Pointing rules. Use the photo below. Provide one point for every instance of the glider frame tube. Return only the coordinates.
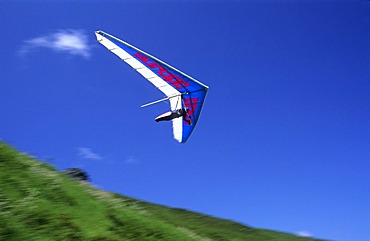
(164, 99)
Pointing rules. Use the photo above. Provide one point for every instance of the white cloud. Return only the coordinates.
(70, 41)
(131, 160)
(304, 234)
(87, 153)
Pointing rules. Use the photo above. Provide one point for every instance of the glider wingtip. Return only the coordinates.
(180, 140)
(100, 32)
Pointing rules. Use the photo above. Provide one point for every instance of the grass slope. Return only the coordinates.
(38, 203)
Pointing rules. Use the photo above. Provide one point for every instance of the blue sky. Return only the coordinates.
(283, 141)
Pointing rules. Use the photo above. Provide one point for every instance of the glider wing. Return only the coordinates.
(182, 90)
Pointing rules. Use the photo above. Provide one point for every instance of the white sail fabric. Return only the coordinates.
(177, 122)
(162, 85)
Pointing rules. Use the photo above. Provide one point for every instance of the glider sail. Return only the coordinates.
(183, 91)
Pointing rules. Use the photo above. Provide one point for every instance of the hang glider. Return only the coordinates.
(185, 94)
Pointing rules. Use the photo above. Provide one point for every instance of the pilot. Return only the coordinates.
(171, 115)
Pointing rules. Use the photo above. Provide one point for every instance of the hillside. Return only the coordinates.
(39, 203)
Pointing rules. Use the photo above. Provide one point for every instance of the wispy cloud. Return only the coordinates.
(131, 160)
(304, 234)
(70, 41)
(87, 153)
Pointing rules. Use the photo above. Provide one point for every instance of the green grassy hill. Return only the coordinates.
(39, 203)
